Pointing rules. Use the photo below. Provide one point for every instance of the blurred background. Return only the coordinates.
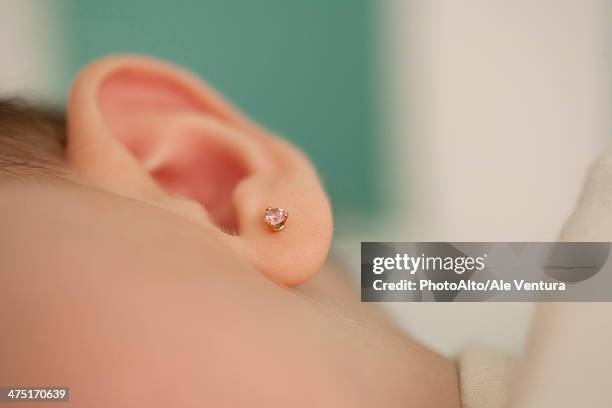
(428, 120)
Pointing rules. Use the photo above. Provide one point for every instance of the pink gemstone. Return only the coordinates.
(275, 216)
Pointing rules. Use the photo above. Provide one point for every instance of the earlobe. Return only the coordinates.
(151, 131)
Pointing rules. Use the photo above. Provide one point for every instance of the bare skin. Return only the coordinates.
(149, 279)
(130, 305)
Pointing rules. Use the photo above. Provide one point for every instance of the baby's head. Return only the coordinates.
(135, 260)
(144, 130)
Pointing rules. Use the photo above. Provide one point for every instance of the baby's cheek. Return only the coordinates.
(123, 341)
(113, 341)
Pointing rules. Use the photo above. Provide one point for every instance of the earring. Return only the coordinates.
(275, 218)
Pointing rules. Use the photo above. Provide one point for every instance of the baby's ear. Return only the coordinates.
(149, 130)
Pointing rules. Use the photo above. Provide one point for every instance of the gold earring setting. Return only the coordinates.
(275, 218)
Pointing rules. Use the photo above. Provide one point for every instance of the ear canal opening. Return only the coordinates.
(206, 172)
(193, 165)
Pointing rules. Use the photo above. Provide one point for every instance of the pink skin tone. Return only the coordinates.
(125, 285)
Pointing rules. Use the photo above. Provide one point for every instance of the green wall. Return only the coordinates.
(302, 68)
